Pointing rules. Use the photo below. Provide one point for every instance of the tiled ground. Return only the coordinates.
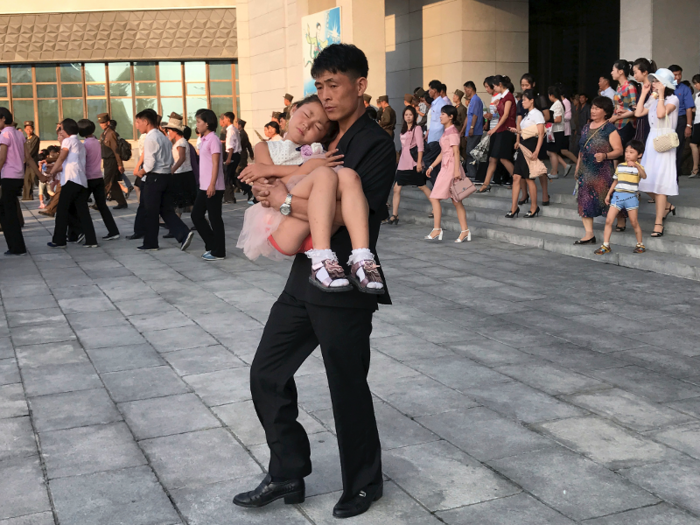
(513, 386)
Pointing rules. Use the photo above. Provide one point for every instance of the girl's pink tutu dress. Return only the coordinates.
(259, 223)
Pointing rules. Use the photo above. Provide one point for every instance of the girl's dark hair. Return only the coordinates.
(450, 111)
(668, 92)
(504, 81)
(490, 82)
(274, 125)
(413, 112)
(176, 131)
(70, 126)
(645, 66)
(530, 79)
(308, 100)
(636, 145)
(605, 104)
(333, 128)
(696, 79)
(624, 66)
(428, 99)
(554, 91)
(209, 118)
(187, 133)
(529, 94)
(86, 127)
(343, 58)
(6, 116)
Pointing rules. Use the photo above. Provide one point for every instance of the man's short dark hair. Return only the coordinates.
(470, 84)
(675, 68)
(86, 127)
(70, 126)
(150, 115)
(607, 77)
(113, 124)
(6, 116)
(209, 118)
(229, 115)
(341, 58)
(273, 124)
(636, 145)
(443, 87)
(435, 84)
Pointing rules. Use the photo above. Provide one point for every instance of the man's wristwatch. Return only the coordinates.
(286, 207)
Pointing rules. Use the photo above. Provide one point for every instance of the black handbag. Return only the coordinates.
(414, 153)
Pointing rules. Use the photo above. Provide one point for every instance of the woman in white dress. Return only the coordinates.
(661, 181)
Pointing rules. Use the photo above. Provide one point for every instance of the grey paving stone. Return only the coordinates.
(195, 458)
(459, 372)
(16, 438)
(395, 507)
(81, 321)
(30, 302)
(456, 478)
(211, 505)
(224, 386)
(484, 434)
(577, 487)
(605, 442)
(124, 358)
(406, 347)
(572, 357)
(87, 450)
(179, 338)
(522, 509)
(164, 416)
(43, 518)
(628, 409)
(86, 304)
(144, 306)
(12, 401)
(9, 373)
(28, 317)
(159, 321)
(383, 368)
(55, 379)
(109, 336)
(202, 360)
(687, 406)
(649, 384)
(42, 333)
(73, 409)
(6, 349)
(244, 344)
(665, 362)
(677, 482)
(685, 438)
(550, 378)
(491, 353)
(130, 496)
(22, 488)
(661, 514)
(143, 383)
(69, 352)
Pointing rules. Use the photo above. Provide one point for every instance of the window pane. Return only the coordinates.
(193, 105)
(195, 71)
(171, 89)
(46, 73)
(119, 72)
(46, 91)
(220, 88)
(22, 92)
(71, 73)
(3, 91)
(3, 75)
(95, 73)
(145, 71)
(146, 89)
(122, 112)
(48, 117)
(21, 74)
(220, 71)
(120, 90)
(95, 107)
(96, 90)
(23, 110)
(73, 109)
(72, 90)
(196, 89)
(4, 103)
(169, 70)
(145, 103)
(170, 105)
(221, 105)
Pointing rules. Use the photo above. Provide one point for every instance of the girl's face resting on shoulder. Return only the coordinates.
(309, 124)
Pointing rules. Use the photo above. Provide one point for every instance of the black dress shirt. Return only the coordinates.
(370, 152)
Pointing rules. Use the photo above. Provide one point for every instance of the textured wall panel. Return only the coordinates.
(179, 34)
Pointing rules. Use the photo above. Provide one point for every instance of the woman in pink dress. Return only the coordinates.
(450, 169)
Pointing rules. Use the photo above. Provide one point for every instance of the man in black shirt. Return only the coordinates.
(304, 317)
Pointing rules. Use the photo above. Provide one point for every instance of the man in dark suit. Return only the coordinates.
(304, 316)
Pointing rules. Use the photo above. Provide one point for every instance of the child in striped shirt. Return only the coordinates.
(623, 195)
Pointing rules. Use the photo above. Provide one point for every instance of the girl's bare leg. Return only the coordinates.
(320, 188)
(696, 156)
(425, 190)
(544, 182)
(354, 208)
(290, 234)
(396, 200)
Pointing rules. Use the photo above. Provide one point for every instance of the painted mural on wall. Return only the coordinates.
(319, 30)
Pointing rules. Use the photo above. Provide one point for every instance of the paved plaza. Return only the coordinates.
(512, 386)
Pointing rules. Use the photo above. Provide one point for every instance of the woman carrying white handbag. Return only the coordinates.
(659, 160)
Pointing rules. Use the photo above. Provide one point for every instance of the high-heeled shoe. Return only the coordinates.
(546, 203)
(513, 214)
(671, 210)
(438, 237)
(658, 234)
(531, 214)
(463, 239)
(487, 188)
(394, 219)
(524, 201)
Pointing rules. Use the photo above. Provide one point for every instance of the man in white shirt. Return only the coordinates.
(233, 155)
(605, 89)
(157, 185)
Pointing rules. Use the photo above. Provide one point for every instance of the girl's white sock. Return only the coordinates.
(361, 254)
(318, 256)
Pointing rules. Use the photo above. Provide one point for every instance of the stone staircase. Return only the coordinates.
(677, 253)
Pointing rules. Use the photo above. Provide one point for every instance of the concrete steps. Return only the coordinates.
(677, 253)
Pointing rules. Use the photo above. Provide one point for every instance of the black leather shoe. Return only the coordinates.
(586, 241)
(120, 207)
(360, 503)
(293, 491)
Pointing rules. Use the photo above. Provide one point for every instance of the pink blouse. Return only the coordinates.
(410, 139)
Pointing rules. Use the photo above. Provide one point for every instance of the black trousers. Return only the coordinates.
(9, 215)
(111, 178)
(96, 188)
(230, 177)
(157, 198)
(292, 332)
(432, 150)
(680, 130)
(211, 231)
(73, 195)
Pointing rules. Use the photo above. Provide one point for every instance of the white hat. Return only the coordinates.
(665, 76)
(175, 121)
